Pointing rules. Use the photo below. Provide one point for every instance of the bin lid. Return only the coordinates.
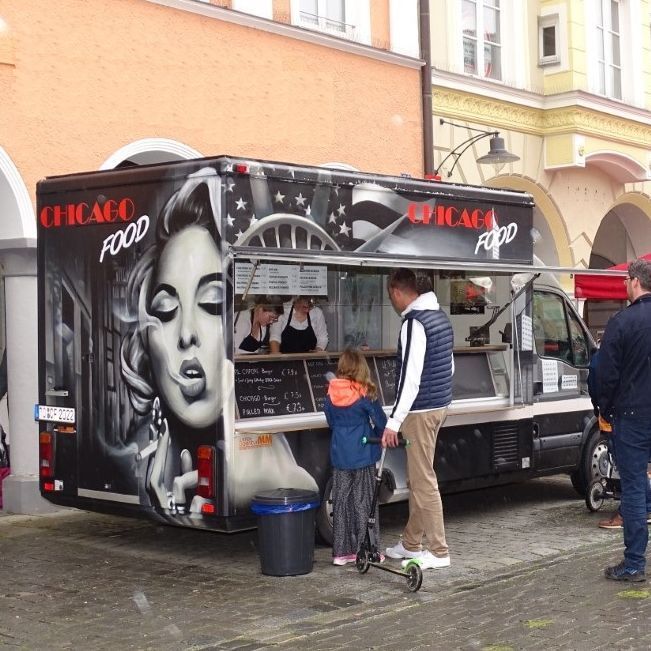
(285, 496)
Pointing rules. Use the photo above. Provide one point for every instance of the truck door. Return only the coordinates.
(561, 405)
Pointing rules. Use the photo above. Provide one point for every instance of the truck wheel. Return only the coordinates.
(594, 462)
(324, 515)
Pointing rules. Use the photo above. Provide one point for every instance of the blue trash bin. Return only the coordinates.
(286, 527)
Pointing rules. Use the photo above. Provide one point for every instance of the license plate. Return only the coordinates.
(56, 414)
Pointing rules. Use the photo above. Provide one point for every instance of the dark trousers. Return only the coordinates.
(633, 448)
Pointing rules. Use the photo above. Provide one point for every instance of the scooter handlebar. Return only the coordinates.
(370, 440)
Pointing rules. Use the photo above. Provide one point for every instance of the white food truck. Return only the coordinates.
(144, 407)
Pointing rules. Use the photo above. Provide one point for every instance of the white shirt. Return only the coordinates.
(242, 331)
(412, 367)
(318, 325)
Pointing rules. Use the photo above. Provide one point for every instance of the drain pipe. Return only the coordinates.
(426, 88)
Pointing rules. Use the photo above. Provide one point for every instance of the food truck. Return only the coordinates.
(143, 273)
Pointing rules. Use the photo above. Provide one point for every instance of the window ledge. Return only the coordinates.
(290, 31)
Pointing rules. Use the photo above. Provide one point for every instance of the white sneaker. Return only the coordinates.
(430, 562)
(398, 551)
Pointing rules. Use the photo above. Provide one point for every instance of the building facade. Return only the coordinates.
(567, 83)
(89, 85)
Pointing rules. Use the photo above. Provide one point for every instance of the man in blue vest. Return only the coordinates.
(623, 399)
(424, 368)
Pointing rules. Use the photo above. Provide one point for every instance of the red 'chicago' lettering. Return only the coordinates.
(451, 216)
(82, 214)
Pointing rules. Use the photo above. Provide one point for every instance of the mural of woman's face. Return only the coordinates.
(186, 343)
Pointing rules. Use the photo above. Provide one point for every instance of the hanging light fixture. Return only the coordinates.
(497, 152)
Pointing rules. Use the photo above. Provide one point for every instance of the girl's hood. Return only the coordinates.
(344, 392)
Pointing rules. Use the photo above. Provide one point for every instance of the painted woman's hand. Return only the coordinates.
(159, 430)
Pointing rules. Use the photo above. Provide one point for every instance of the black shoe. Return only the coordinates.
(620, 572)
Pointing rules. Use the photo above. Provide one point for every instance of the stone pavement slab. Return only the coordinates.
(564, 603)
(90, 581)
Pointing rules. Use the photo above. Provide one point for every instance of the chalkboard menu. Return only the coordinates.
(386, 377)
(318, 369)
(295, 386)
(272, 388)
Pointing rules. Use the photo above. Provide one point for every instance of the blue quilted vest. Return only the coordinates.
(436, 380)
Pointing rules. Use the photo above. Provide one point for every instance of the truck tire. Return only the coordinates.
(593, 465)
(324, 515)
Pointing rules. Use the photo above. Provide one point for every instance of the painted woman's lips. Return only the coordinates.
(193, 381)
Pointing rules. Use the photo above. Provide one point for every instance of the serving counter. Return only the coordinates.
(286, 391)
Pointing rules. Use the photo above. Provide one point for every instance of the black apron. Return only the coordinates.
(297, 341)
(250, 344)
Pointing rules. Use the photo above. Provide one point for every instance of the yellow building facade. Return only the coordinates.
(567, 83)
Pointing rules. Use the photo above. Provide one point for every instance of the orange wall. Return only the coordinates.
(91, 76)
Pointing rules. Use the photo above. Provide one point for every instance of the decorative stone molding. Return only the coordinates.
(483, 110)
(586, 121)
(542, 122)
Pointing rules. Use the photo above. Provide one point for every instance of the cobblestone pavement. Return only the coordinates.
(526, 574)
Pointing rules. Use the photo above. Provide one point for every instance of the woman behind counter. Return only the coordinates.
(301, 329)
(253, 327)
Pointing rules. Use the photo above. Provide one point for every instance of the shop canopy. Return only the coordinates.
(603, 288)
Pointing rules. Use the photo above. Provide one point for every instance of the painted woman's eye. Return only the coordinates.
(211, 298)
(164, 306)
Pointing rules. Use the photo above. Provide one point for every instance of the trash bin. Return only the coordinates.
(286, 522)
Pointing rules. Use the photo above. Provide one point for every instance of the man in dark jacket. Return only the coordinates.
(624, 400)
(424, 368)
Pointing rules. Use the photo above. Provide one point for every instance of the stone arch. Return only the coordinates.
(617, 165)
(151, 150)
(623, 232)
(18, 224)
(548, 210)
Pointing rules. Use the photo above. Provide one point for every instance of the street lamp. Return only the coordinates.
(497, 153)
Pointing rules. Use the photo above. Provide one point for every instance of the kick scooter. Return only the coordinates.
(368, 554)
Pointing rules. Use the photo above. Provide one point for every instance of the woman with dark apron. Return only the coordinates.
(253, 328)
(289, 337)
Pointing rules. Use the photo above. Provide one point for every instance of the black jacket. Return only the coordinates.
(624, 377)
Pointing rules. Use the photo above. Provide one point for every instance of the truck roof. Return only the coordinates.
(279, 170)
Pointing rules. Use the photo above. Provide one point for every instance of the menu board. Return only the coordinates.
(281, 387)
(318, 370)
(272, 388)
(281, 279)
(295, 386)
(386, 378)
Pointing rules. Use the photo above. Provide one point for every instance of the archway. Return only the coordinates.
(18, 306)
(551, 242)
(150, 150)
(18, 223)
(624, 233)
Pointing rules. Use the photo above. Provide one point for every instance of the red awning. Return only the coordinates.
(603, 288)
